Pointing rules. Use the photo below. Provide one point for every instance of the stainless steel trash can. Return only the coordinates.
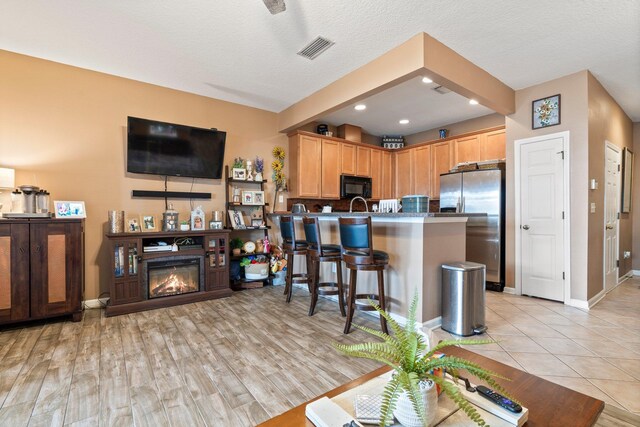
(463, 298)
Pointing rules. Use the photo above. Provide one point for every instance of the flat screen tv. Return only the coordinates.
(160, 148)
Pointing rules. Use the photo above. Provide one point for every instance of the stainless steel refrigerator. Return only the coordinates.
(477, 192)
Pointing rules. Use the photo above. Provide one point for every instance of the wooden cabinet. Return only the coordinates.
(330, 172)
(363, 161)
(441, 162)
(41, 269)
(493, 145)
(347, 159)
(204, 259)
(404, 173)
(305, 167)
(466, 149)
(422, 170)
(388, 175)
(376, 174)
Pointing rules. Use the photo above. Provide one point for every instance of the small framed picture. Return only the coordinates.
(258, 198)
(133, 225)
(215, 225)
(197, 221)
(239, 174)
(257, 222)
(248, 198)
(66, 209)
(236, 219)
(545, 112)
(148, 222)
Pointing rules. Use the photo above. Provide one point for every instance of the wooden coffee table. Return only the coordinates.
(549, 404)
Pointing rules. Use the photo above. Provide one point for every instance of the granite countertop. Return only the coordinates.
(381, 215)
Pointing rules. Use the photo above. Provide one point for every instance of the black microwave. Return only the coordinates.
(352, 186)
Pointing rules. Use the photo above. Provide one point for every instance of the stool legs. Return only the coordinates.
(351, 299)
(340, 288)
(289, 283)
(381, 300)
(315, 286)
(314, 279)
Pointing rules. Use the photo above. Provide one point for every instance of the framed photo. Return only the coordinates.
(66, 209)
(197, 221)
(248, 197)
(239, 173)
(149, 222)
(545, 112)
(258, 198)
(257, 222)
(215, 225)
(133, 225)
(236, 220)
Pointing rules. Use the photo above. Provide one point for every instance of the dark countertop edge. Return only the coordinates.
(380, 215)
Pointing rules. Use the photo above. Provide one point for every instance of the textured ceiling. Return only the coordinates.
(237, 51)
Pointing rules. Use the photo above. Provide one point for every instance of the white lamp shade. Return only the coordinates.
(7, 178)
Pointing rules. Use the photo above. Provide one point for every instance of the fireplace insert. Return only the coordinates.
(173, 275)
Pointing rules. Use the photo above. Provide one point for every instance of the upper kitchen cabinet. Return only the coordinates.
(404, 173)
(305, 169)
(422, 170)
(330, 163)
(347, 159)
(388, 175)
(441, 162)
(363, 161)
(493, 145)
(467, 149)
(376, 174)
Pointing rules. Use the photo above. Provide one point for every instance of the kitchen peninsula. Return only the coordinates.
(417, 244)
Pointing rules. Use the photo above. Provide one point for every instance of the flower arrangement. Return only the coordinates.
(238, 163)
(406, 352)
(259, 164)
(278, 165)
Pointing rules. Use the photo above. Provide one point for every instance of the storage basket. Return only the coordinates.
(256, 271)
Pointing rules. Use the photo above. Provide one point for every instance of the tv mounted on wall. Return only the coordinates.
(160, 148)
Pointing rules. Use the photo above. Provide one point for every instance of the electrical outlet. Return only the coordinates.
(627, 254)
(593, 208)
(280, 198)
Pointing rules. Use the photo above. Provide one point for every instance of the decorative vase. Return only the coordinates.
(258, 176)
(404, 409)
(236, 251)
(249, 170)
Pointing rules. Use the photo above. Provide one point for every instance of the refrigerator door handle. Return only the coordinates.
(462, 205)
(459, 205)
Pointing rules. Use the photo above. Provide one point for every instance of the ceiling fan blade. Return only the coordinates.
(275, 6)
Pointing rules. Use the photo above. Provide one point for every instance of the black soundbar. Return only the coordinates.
(170, 194)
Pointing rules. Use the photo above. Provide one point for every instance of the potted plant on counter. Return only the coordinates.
(411, 394)
(236, 246)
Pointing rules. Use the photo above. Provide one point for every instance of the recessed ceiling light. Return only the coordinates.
(403, 121)
(426, 80)
(360, 107)
(473, 102)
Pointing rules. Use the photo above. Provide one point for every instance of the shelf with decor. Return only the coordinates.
(246, 210)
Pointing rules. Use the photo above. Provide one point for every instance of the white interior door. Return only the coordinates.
(541, 218)
(611, 209)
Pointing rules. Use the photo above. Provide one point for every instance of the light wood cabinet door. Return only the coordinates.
(309, 158)
(363, 161)
(376, 174)
(493, 145)
(329, 169)
(467, 149)
(422, 170)
(388, 175)
(441, 162)
(404, 173)
(348, 159)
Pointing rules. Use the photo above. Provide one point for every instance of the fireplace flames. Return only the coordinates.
(172, 284)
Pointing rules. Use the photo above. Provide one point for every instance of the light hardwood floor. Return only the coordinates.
(231, 362)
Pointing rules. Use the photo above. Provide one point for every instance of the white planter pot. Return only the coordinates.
(404, 409)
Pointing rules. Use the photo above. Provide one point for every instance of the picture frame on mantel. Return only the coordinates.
(545, 112)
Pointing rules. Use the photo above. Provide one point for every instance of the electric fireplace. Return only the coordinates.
(173, 275)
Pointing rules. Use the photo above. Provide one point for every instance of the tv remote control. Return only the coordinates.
(498, 399)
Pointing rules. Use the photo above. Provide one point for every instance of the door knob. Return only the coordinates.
(609, 227)
(525, 227)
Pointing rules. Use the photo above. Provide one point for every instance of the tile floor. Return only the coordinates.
(595, 352)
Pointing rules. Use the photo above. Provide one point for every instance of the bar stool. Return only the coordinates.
(358, 254)
(317, 253)
(291, 248)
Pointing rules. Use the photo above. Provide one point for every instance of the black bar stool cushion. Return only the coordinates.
(331, 249)
(378, 256)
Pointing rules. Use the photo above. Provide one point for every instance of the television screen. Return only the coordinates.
(169, 149)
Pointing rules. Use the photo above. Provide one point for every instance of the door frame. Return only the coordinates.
(567, 209)
(617, 198)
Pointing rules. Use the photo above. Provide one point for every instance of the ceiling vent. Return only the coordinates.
(315, 48)
(441, 90)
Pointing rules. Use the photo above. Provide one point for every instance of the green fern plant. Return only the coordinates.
(405, 352)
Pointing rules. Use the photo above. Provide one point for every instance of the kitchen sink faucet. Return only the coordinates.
(366, 207)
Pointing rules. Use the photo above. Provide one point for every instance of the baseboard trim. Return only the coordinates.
(96, 303)
(433, 323)
(596, 299)
(636, 272)
(509, 290)
(578, 303)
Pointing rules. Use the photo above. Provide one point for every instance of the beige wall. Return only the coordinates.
(635, 198)
(607, 122)
(574, 104)
(591, 116)
(63, 128)
(471, 125)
